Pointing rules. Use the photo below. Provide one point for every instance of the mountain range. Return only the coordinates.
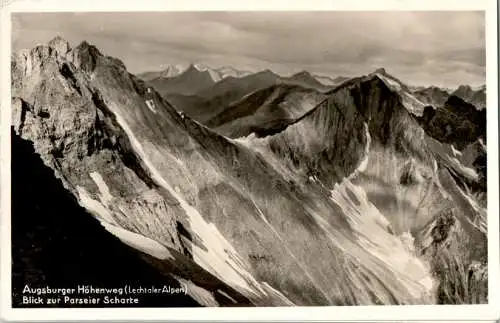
(219, 74)
(259, 191)
(216, 74)
(198, 93)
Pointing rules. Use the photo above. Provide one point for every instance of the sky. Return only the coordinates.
(443, 48)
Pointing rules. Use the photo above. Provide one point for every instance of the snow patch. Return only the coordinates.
(371, 228)
(364, 163)
(139, 242)
(151, 105)
(481, 142)
(455, 151)
(227, 296)
(103, 188)
(202, 296)
(95, 207)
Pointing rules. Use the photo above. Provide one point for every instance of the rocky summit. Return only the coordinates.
(352, 200)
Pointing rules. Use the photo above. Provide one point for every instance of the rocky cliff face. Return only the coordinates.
(309, 215)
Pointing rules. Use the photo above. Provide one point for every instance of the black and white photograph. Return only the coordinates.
(269, 159)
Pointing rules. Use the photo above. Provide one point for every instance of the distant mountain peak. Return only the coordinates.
(302, 73)
(191, 68)
(304, 78)
(432, 95)
(339, 79)
(475, 96)
(172, 71)
(267, 71)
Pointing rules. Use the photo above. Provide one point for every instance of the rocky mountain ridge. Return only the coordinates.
(240, 220)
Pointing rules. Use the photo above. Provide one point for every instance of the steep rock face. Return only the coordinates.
(57, 106)
(238, 220)
(337, 131)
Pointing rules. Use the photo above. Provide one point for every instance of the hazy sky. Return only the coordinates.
(441, 48)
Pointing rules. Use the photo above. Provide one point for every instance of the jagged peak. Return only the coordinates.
(381, 70)
(86, 55)
(85, 46)
(192, 68)
(60, 45)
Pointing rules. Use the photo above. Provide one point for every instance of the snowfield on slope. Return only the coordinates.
(371, 228)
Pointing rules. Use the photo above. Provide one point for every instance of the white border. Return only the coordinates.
(360, 313)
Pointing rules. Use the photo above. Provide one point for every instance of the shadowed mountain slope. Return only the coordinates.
(476, 97)
(57, 243)
(305, 79)
(265, 110)
(457, 122)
